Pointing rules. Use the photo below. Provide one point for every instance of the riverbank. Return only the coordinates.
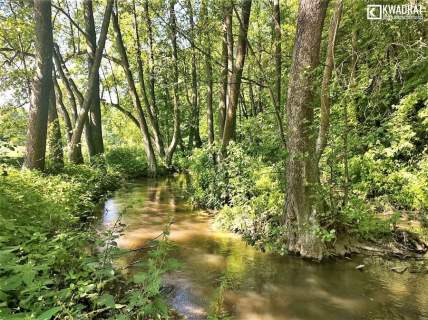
(246, 193)
(222, 277)
(50, 264)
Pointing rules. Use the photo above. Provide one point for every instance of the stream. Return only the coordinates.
(220, 273)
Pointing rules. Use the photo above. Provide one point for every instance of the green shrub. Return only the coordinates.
(49, 264)
(128, 161)
(246, 192)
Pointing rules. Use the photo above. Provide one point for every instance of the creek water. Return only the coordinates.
(221, 274)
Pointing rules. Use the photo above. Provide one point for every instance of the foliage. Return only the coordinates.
(50, 266)
(246, 192)
(129, 161)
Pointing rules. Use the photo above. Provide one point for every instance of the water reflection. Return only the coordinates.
(222, 275)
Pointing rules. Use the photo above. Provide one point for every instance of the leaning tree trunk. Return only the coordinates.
(235, 79)
(42, 87)
(94, 116)
(76, 138)
(64, 111)
(325, 86)
(150, 106)
(55, 155)
(151, 158)
(301, 215)
(62, 69)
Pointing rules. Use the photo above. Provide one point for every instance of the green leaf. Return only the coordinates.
(106, 300)
(48, 314)
(140, 277)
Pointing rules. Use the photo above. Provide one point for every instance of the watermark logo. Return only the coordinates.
(374, 12)
(395, 12)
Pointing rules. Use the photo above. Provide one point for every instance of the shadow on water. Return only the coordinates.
(221, 275)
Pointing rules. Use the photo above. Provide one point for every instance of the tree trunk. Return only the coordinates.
(176, 136)
(325, 86)
(300, 212)
(62, 70)
(195, 136)
(224, 71)
(151, 158)
(150, 106)
(93, 75)
(55, 155)
(277, 40)
(351, 87)
(208, 73)
(94, 124)
(42, 87)
(64, 111)
(235, 81)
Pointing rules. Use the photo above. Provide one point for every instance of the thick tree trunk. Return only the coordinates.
(94, 124)
(55, 155)
(150, 106)
(73, 153)
(42, 87)
(208, 73)
(151, 158)
(176, 136)
(235, 80)
(301, 214)
(325, 86)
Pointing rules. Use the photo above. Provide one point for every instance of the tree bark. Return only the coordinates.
(41, 87)
(94, 124)
(208, 73)
(194, 136)
(151, 158)
(150, 106)
(64, 111)
(325, 98)
(224, 71)
(176, 136)
(77, 134)
(278, 60)
(63, 73)
(300, 210)
(55, 155)
(235, 81)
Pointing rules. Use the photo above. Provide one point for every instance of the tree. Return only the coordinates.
(150, 104)
(151, 158)
(194, 136)
(56, 155)
(236, 76)
(176, 136)
(73, 153)
(300, 210)
(94, 126)
(224, 76)
(208, 72)
(41, 87)
(325, 98)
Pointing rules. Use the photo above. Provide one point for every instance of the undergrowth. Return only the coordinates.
(51, 265)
